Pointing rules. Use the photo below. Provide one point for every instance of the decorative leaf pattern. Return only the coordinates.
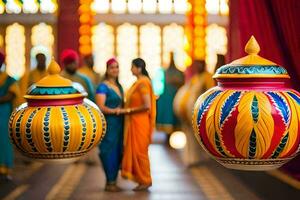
(229, 106)
(295, 97)
(280, 147)
(281, 106)
(254, 109)
(252, 125)
(210, 125)
(292, 130)
(204, 106)
(252, 145)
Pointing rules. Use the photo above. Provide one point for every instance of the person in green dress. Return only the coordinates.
(9, 93)
(109, 98)
(166, 119)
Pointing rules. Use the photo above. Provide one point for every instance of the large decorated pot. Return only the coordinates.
(57, 122)
(250, 121)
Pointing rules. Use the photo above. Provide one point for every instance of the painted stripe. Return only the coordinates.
(16, 192)
(285, 178)
(68, 182)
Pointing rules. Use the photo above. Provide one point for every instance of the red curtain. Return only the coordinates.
(276, 26)
(67, 26)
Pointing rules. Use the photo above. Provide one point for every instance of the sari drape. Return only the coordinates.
(137, 133)
(7, 84)
(112, 143)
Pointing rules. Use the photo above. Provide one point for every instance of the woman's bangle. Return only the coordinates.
(128, 111)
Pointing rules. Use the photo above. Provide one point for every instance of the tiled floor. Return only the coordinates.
(171, 180)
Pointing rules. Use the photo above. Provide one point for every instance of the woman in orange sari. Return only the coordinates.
(140, 108)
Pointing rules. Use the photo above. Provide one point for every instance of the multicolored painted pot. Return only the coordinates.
(250, 121)
(57, 122)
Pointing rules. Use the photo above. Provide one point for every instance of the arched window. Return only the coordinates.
(103, 45)
(173, 41)
(216, 43)
(127, 49)
(42, 40)
(150, 47)
(15, 50)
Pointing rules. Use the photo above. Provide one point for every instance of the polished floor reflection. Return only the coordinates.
(171, 180)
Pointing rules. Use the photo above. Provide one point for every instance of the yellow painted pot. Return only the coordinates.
(57, 122)
(250, 121)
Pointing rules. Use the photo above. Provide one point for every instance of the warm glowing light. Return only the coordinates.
(2, 7)
(216, 41)
(149, 6)
(86, 19)
(100, 6)
(15, 50)
(135, 6)
(103, 38)
(165, 6)
(118, 6)
(127, 49)
(212, 6)
(173, 41)
(150, 47)
(217, 7)
(1, 41)
(42, 35)
(224, 8)
(180, 6)
(48, 6)
(30, 6)
(177, 140)
(13, 6)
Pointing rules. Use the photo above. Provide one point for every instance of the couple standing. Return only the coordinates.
(129, 125)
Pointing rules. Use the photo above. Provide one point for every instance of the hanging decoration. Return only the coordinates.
(195, 31)
(57, 122)
(250, 121)
(86, 19)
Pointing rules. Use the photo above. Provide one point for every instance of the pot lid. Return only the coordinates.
(252, 65)
(55, 86)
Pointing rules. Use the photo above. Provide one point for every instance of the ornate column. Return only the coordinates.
(68, 25)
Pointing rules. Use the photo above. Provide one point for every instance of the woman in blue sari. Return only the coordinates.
(9, 92)
(109, 98)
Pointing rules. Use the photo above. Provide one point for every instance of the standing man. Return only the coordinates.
(70, 61)
(40, 71)
(88, 70)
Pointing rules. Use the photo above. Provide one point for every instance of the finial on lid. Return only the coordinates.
(53, 68)
(252, 47)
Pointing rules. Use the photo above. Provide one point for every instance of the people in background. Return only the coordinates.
(184, 103)
(140, 108)
(166, 119)
(70, 61)
(220, 61)
(9, 94)
(88, 70)
(110, 98)
(40, 71)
